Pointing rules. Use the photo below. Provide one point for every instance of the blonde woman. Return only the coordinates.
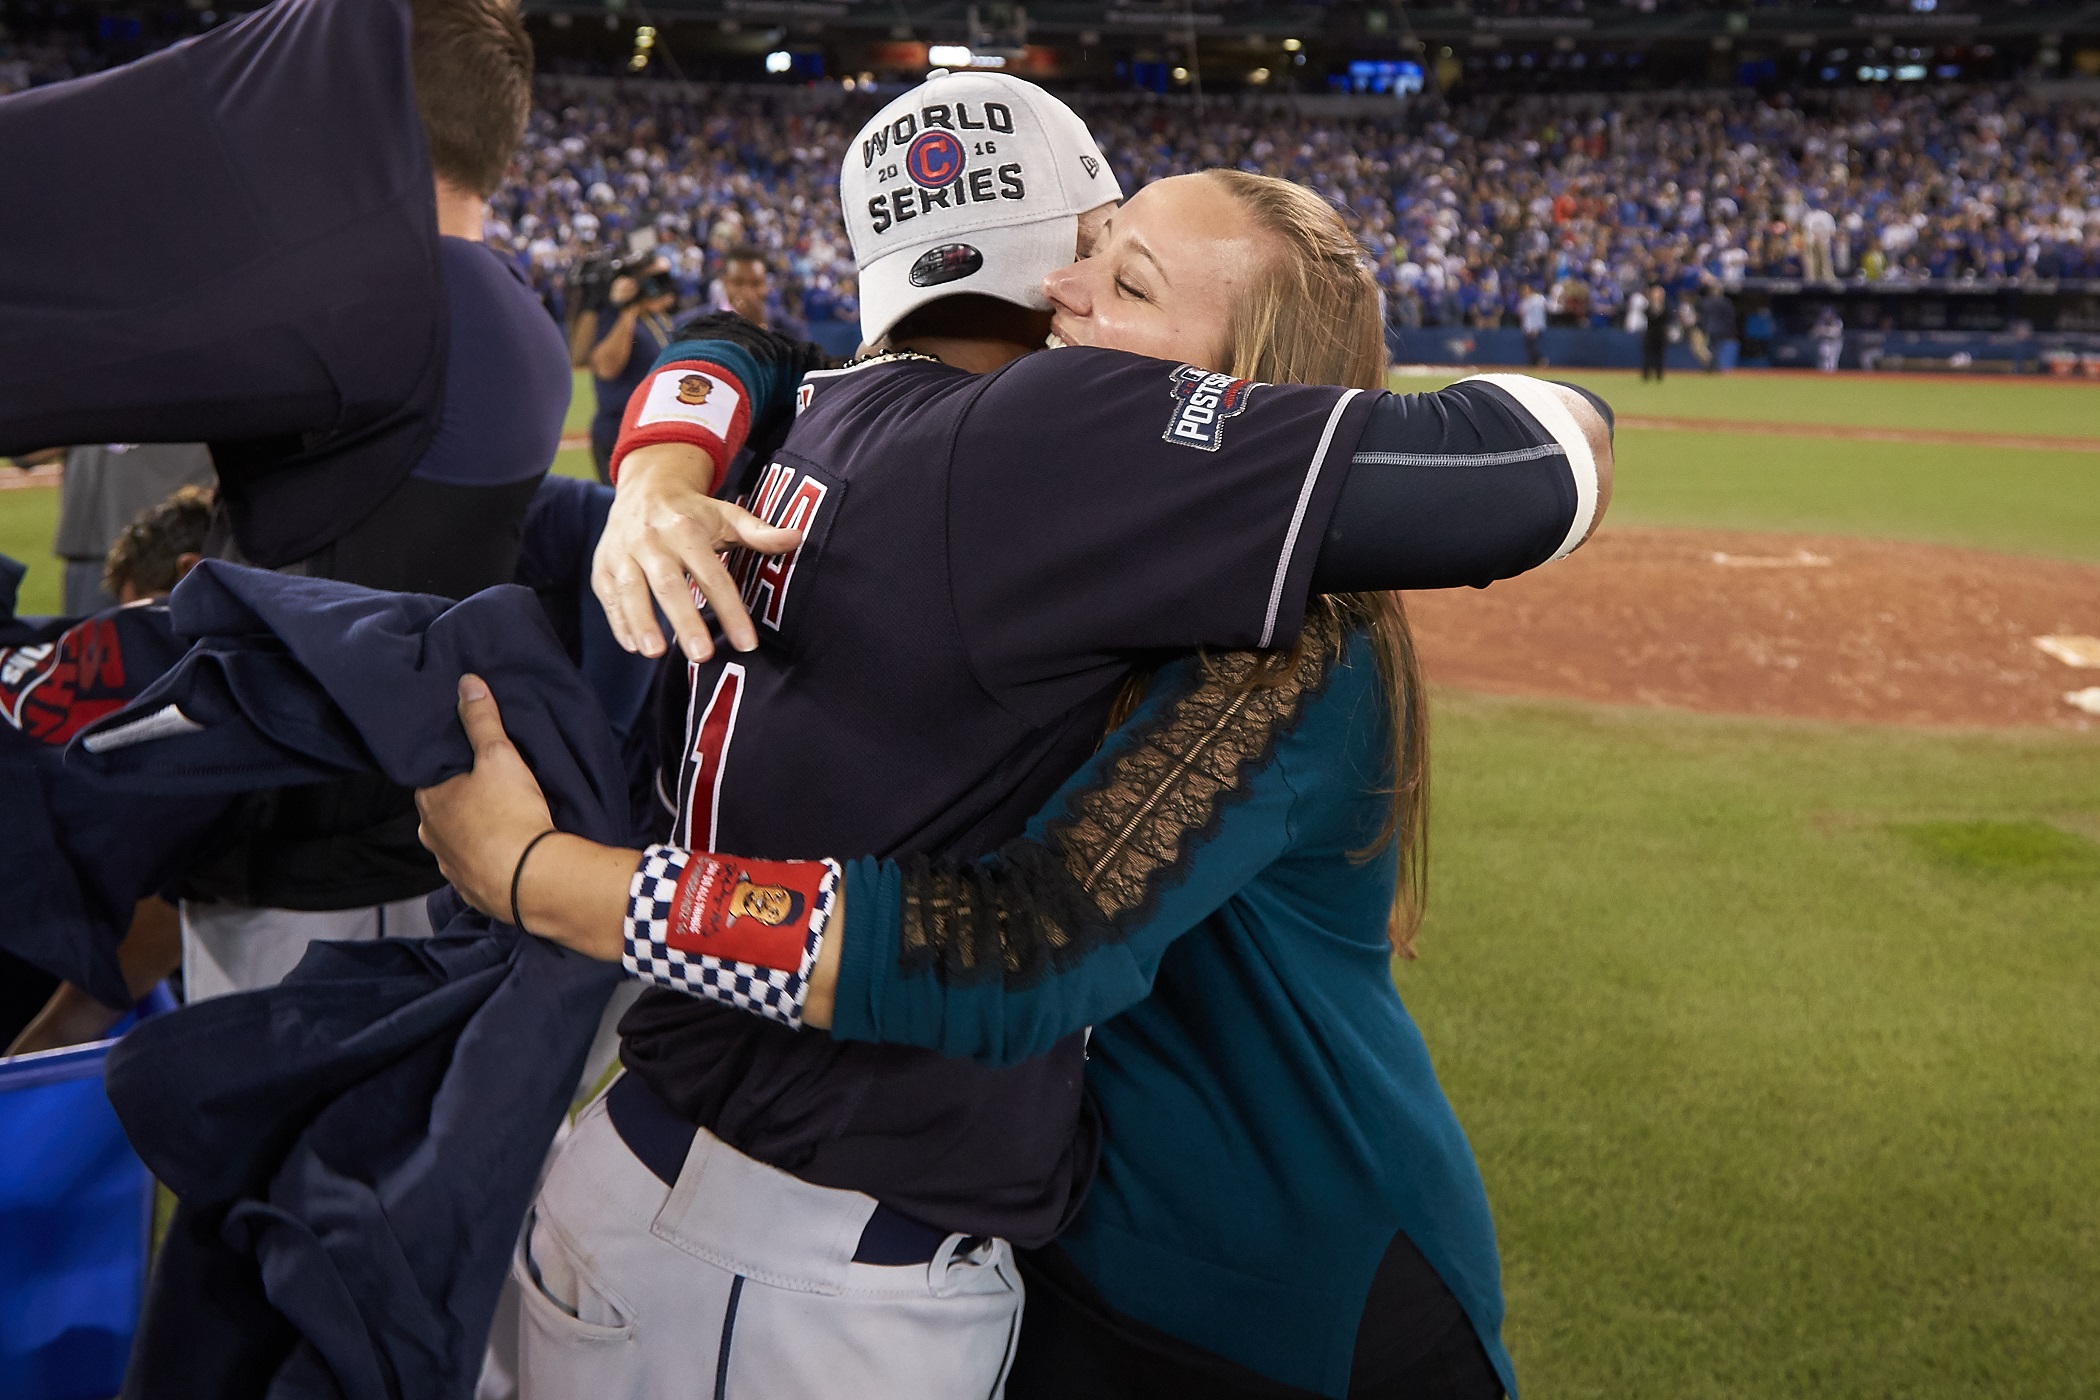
(1285, 1204)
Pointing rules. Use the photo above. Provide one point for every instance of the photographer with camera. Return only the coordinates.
(626, 332)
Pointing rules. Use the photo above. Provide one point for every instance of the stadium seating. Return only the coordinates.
(1463, 207)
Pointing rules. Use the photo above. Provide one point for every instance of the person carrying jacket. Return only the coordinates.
(380, 393)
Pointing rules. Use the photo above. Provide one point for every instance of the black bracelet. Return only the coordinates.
(518, 874)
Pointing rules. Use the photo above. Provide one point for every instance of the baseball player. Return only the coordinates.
(948, 566)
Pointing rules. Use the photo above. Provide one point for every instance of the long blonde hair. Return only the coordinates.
(1311, 316)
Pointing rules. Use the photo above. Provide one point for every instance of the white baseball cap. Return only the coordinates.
(970, 182)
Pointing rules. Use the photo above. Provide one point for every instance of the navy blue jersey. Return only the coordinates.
(449, 527)
(507, 381)
(984, 559)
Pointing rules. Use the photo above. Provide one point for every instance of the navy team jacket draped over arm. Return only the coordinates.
(354, 1148)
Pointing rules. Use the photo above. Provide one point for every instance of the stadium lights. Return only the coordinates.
(1181, 75)
(779, 61)
(949, 55)
(1258, 76)
(1293, 45)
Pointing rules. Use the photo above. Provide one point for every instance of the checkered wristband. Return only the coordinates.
(744, 933)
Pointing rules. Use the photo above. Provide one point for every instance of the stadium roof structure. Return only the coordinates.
(1808, 23)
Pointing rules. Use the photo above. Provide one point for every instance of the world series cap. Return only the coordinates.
(970, 182)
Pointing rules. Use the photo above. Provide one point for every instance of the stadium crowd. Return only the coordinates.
(1465, 207)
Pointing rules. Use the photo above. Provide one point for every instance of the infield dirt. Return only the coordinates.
(1809, 626)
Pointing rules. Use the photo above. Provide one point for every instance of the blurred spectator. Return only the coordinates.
(149, 557)
(1758, 330)
(1531, 315)
(1717, 322)
(153, 552)
(748, 288)
(1637, 313)
(1820, 228)
(1685, 328)
(1655, 336)
(1829, 335)
(627, 335)
(746, 284)
(104, 490)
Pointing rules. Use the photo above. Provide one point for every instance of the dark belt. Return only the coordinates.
(660, 1139)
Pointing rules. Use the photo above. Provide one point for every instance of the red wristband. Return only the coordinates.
(687, 401)
(749, 911)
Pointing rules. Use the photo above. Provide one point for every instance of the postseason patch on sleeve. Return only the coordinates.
(685, 395)
(1203, 400)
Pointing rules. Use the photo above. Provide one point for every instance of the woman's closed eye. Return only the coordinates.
(1129, 291)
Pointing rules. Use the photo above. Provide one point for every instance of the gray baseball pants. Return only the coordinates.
(739, 1283)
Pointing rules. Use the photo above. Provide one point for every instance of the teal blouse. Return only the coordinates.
(1270, 1114)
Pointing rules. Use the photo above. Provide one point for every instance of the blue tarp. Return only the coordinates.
(76, 1210)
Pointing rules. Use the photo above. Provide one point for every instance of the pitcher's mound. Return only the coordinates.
(1822, 627)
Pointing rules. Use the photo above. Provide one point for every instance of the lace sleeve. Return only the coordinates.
(1129, 827)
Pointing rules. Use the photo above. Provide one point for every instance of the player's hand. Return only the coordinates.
(622, 290)
(478, 823)
(663, 540)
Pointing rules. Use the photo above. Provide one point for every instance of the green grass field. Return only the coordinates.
(1980, 405)
(2015, 500)
(27, 519)
(1780, 1047)
(1779, 1042)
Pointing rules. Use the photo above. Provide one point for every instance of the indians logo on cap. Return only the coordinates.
(934, 160)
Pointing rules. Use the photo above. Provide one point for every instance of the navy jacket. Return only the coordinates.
(74, 856)
(243, 251)
(562, 526)
(355, 1148)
